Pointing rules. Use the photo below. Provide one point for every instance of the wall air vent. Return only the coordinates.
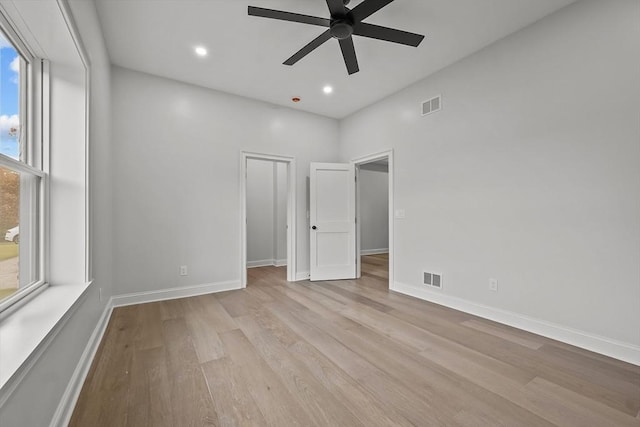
(432, 105)
(432, 279)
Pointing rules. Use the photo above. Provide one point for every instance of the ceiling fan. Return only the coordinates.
(343, 24)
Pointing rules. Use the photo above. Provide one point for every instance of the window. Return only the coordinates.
(22, 178)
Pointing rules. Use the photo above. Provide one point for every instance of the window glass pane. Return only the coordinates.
(18, 230)
(10, 65)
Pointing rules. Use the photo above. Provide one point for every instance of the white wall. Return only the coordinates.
(374, 208)
(37, 396)
(260, 212)
(67, 173)
(176, 150)
(529, 174)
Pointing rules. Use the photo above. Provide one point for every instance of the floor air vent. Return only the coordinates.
(432, 279)
(432, 105)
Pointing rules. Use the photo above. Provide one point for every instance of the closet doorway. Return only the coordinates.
(268, 213)
(374, 211)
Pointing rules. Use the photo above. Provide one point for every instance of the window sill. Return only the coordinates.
(26, 333)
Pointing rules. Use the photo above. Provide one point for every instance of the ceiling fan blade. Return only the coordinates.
(367, 8)
(336, 7)
(288, 16)
(387, 34)
(349, 55)
(308, 48)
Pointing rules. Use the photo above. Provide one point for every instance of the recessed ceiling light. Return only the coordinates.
(327, 89)
(201, 51)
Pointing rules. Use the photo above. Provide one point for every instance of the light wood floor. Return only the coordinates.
(343, 353)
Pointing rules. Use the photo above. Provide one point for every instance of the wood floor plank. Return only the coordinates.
(544, 405)
(159, 387)
(191, 402)
(172, 309)
(625, 369)
(258, 292)
(138, 396)
(566, 373)
(239, 303)
(341, 353)
(205, 318)
(318, 303)
(279, 330)
(441, 388)
(218, 318)
(581, 377)
(514, 338)
(369, 410)
(317, 401)
(411, 406)
(149, 326)
(565, 407)
(600, 372)
(277, 405)
(149, 397)
(231, 394)
(357, 297)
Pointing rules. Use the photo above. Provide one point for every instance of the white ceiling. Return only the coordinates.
(246, 53)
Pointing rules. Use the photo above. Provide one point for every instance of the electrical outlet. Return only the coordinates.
(493, 285)
(183, 270)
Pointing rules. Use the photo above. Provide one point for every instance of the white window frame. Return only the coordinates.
(33, 130)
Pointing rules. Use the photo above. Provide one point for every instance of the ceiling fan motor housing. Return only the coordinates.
(341, 28)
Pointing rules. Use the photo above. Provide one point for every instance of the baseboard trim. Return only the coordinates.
(267, 263)
(70, 396)
(260, 263)
(618, 350)
(173, 293)
(302, 275)
(374, 251)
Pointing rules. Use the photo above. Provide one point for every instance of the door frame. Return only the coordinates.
(388, 154)
(290, 162)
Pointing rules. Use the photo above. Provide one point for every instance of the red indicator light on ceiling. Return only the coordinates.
(295, 99)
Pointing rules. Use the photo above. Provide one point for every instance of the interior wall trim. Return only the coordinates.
(374, 251)
(70, 396)
(618, 350)
(267, 263)
(173, 293)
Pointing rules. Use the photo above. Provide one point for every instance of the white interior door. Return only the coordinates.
(333, 224)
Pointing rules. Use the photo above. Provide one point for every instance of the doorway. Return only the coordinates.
(374, 213)
(267, 213)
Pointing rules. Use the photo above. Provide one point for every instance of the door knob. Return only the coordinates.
(314, 227)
